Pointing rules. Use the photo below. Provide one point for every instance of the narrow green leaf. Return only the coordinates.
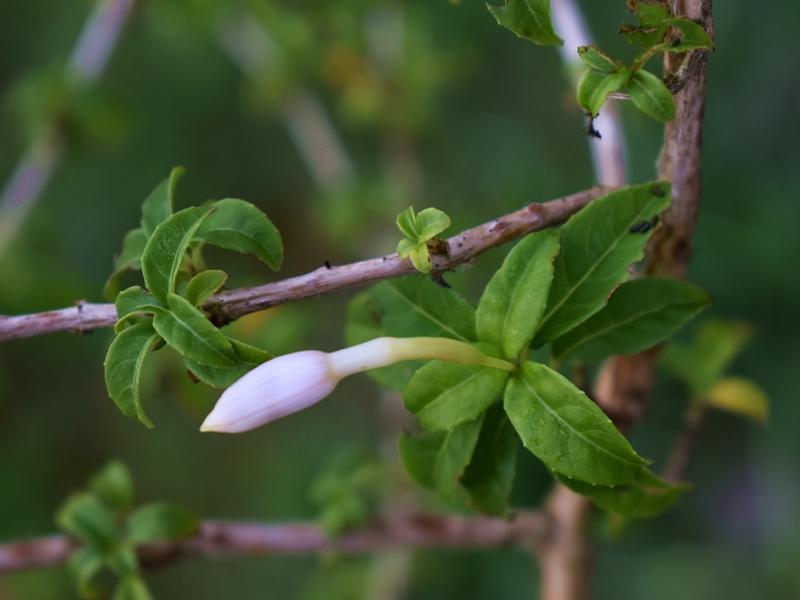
(430, 223)
(85, 564)
(157, 207)
(515, 297)
(129, 259)
(437, 460)
(646, 496)
(160, 522)
(407, 224)
(443, 395)
(123, 366)
(490, 475)
(242, 227)
(113, 484)
(597, 60)
(122, 559)
(652, 13)
(420, 257)
(131, 588)
(598, 244)
(204, 285)
(739, 396)
(651, 96)
(166, 250)
(133, 302)
(528, 19)
(567, 431)
(595, 86)
(86, 518)
(189, 332)
(640, 314)
(249, 358)
(703, 363)
(692, 36)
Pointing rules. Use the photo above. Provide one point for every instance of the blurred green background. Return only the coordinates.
(433, 104)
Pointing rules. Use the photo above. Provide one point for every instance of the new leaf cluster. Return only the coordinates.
(173, 306)
(565, 290)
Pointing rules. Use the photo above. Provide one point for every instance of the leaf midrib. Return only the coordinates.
(440, 324)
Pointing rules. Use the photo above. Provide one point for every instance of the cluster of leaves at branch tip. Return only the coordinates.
(171, 307)
(702, 365)
(565, 290)
(108, 526)
(658, 32)
(420, 230)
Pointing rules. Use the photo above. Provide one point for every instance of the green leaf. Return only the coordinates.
(652, 13)
(430, 223)
(131, 588)
(407, 224)
(652, 27)
(515, 297)
(129, 259)
(113, 484)
(567, 431)
(490, 475)
(646, 496)
(692, 36)
(640, 314)
(123, 366)
(438, 459)
(249, 358)
(157, 207)
(132, 302)
(166, 250)
(189, 332)
(443, 395)
(598, 244)
(418, 253)
(739, 396)
(160, 522)
(528, 19)
(122, 559)
(242, 227)
(651, 96)
(595, 86)
(204, 285)
(85, 517)
(597, 60)
(85, 564)
(703, 363)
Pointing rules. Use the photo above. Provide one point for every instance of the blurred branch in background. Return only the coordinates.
(227, 306)
(226, 538)
(34, 169)
(252, 49)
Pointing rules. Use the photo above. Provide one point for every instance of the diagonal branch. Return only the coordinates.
(228, 538)
(231, 305)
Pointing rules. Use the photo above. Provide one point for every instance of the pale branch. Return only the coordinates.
(231, 305)
(228, 538)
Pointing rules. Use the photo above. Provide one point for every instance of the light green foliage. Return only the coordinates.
(248, 357)
(347, 491)
(189, 332)
(443, 395)
(702, 366)
(515, 297)
(596, 59)
(598, 244)
(566, 430)
(158, 206)
(692, 36)
(595, 86)
(129, 259)
(418, 230)
(203, 285)
(166, 250)
(123, 367)
(646, 496)
(651, 96)
(240, 226)
(490, 474)
(639, 314)
(101, 520)
(528, 19)
(134, 302)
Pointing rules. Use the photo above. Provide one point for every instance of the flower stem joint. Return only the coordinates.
(293, 382)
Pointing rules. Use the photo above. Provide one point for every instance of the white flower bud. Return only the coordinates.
(293, 382)
(279, 387)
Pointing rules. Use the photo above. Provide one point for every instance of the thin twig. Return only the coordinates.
(227, 538)
(678, 459)
(228, 306)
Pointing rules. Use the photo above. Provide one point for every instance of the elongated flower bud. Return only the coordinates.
(293, 382)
